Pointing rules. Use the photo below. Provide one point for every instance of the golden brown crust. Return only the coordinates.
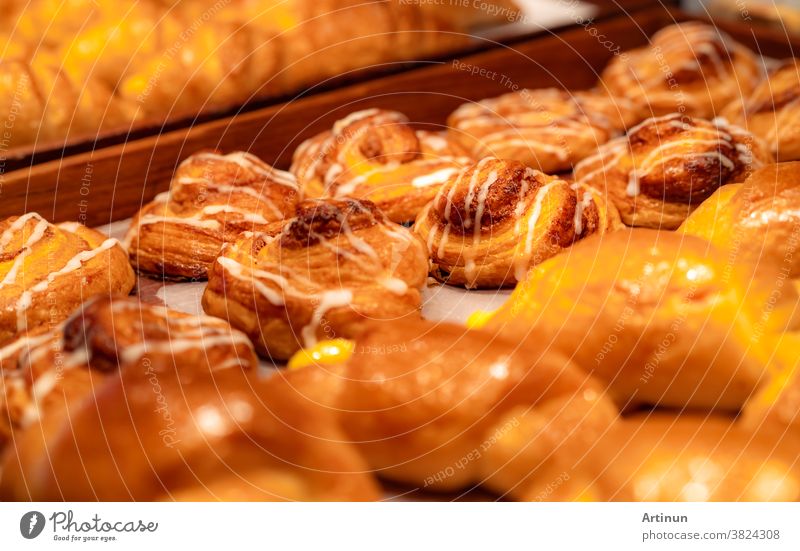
(376, 155)
(489, 224)
(48, 270)
(548, 129)
(666, 166)
(333, 266)
(212, 199)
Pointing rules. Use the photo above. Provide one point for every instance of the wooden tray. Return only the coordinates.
(111, 183)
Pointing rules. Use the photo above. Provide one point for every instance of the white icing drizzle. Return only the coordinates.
(328, 300)
(580, 207)
(35, 236)
(522, 262)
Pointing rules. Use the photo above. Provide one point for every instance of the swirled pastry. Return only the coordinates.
(548, 129)
(665, 167)
(689, 68)
(490, 223)
(757, 221)
(48, 270)
(212, 198)
(772, 111)
(332, 266)
(663, 318)
(376, 155)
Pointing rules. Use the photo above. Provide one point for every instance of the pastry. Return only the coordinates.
(772, 110)
(196, 424)
(663, 318)
(689, 68)
(47, 270)
(212, 198)
(490, 223)
(335, 264)
(757, 221)
(665, 167)
(548, 129)
(376, 155)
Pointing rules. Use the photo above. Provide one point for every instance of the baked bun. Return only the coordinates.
(548, 129)
(772, 111)
(663, 318)
(665, 167)
(212, 198)
(689, 68)
(490, 223)
(334, 265)
(376, 155)
(47, 270)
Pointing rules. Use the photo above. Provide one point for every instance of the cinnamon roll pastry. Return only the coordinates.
(665, 167)
(490, 223)
(549, 129)
(335, 264)
(772, 111)
(757, 221)
(689, 68)
(47, 270)
(212, 198)
(375, 154)
(663, 318)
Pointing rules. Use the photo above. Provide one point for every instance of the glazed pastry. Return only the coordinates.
(195, 425)
(376, 155)
(772, 111)
(689, 68)
(423, 401)
(334, 265)
(48, 270)
(212, 199)
(663, 318)
(665, 167)
(549, 129)
(756, 221)
(490, 223)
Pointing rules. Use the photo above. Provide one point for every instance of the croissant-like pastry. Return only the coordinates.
(665, 167)
(490, 223)
(376, 155)
(663, 318)
(48, 270)
(689, 68)
(212, 199)
(549, 129)
(772, 111)
(195, 424)
(334, 265)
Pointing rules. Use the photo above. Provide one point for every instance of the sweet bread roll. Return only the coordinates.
(195, 424)
(48, 270)
(665, 167)
(423, 402)
(549, 129)
(332, 266)
(756, 221)
(376, 155)
(689, 68)
(212, 198)
(772, 110)
(663, 318)
(491, 222)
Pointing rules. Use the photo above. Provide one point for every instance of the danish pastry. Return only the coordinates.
(548, 129)
(376, 155)
(491, 222)
(689, 68)
(332, 266)
(772, 111)
(665, 167)
(212, 198)
(48, 270)
(663, 318)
